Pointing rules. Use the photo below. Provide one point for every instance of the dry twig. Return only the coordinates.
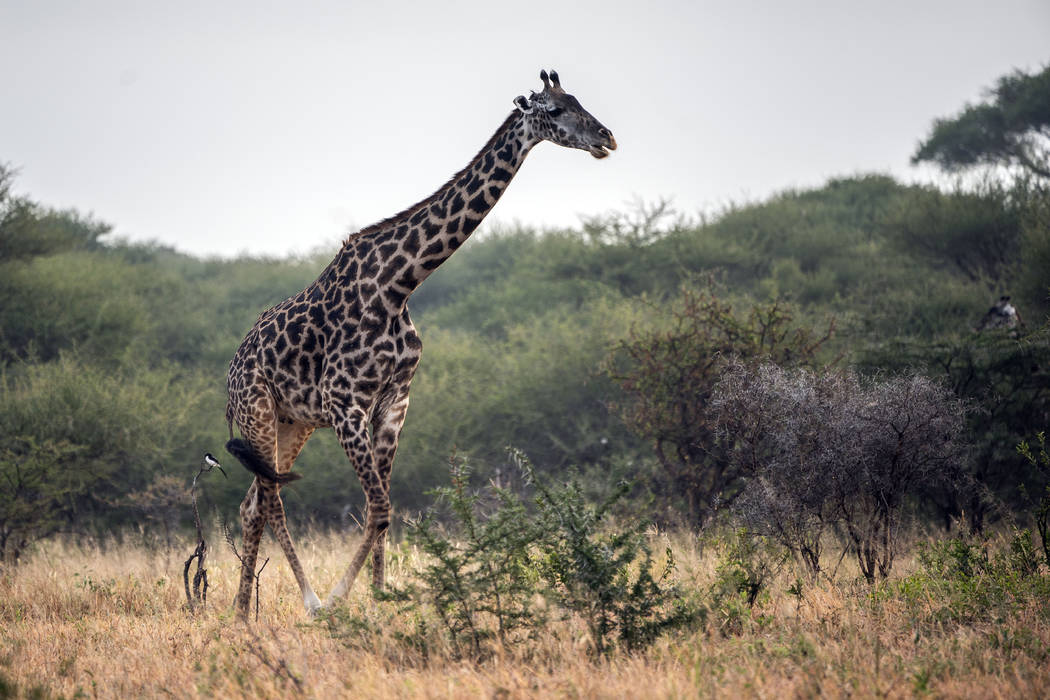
(279, 666)
(233, 546)
(199, 595)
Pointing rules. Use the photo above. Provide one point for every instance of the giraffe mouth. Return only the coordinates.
(598, 149)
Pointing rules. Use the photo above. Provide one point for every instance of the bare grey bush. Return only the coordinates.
(828, 453)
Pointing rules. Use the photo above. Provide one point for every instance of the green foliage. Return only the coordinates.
(1010, 129)
(605, 577)
(28, 230)
(480, 577)
(1041, 512)
(77, 437)
(975, 231)
(35, 493)
(1033, 288)
(748, 563)
(487, 574)
(959, 583)
(1007, 381)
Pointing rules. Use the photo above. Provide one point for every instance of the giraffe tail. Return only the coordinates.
(256, 464)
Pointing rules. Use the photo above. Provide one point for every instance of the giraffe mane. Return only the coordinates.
(380, 225)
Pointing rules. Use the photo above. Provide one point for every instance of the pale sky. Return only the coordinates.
(270, 127)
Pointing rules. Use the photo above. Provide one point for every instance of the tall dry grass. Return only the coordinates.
(110, 621)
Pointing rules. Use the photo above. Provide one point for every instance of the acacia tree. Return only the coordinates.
(829, 452)
(668, 375)
(1012, 128)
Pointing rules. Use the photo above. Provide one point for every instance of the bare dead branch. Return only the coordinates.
(198, 596)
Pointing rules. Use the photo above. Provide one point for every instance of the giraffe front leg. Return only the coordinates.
(353, 435)
(386, 431)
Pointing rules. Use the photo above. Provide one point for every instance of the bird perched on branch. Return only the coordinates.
(211, 463)
(1002, 315)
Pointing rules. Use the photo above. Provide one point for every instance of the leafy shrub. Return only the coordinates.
(487, 574)
(605, 577)
(1007, 382)
(1041, 512)
(960, 583)
(482, 583)
(977, 232)
(77, 437)
(747, 564)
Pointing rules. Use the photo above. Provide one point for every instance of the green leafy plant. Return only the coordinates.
(749, 561)
(960, 583)
(480, 578)
(494, 568)
(605, 576)
(1041, 460)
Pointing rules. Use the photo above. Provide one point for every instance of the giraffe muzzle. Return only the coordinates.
(598, 150)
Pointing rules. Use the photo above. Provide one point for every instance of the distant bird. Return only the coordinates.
(1002, 315)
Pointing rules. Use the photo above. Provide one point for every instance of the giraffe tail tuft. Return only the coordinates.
(256, 464)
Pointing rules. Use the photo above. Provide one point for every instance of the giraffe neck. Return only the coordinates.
(400, 252)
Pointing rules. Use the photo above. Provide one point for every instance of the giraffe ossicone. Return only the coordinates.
(342, 352)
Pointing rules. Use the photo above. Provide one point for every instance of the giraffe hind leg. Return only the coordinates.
(267, 440)
(252, 524)
(290, 440)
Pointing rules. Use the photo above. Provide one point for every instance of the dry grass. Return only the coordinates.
(111, 622)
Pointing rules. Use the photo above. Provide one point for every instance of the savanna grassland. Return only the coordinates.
(112, 622)
(794, 447)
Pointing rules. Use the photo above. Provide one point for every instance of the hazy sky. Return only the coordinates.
(268, 127)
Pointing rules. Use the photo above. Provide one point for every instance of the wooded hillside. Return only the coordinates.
(589, 349)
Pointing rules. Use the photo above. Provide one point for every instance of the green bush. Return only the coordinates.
(605, 576)
(77, 438)
(486, 570)
(960, 583)
(480, 577)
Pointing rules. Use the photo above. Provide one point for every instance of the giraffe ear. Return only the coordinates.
(522, 104)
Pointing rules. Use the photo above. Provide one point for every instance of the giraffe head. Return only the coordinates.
(556, 116)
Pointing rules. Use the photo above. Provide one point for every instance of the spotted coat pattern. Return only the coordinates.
(342, 352)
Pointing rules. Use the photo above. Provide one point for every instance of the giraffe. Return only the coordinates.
(342, 352)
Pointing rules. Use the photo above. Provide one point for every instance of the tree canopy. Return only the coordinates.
(1012, 128)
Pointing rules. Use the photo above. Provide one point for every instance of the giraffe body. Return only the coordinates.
(342, 352)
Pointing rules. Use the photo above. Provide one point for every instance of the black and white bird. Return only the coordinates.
(1002, 315)
(210, 461)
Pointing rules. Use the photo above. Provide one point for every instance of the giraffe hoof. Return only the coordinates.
(313, 605)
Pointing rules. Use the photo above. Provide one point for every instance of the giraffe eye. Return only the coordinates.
(556, 112)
